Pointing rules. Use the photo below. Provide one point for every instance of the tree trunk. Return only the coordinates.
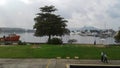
(49, 38)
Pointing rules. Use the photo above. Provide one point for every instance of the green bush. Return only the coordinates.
(72, 41)
(55, 41)
(117, 37)
(21, 43)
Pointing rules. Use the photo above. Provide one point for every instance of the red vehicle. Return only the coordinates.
(10, 38)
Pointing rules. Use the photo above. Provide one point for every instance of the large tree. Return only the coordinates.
(49, 24)
(117, 37)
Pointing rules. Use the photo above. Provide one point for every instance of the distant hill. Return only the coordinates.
(14, 30)
(89, 28)
(84, 28)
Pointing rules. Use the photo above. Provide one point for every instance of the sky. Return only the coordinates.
(79, 13)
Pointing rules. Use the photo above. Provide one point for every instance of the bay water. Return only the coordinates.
(29, 37)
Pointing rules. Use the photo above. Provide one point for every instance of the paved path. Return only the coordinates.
(48, 63)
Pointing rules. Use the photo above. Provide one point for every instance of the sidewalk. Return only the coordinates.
(49, 63)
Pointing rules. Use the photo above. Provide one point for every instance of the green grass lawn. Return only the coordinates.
(53, 51)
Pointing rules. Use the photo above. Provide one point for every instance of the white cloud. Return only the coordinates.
(89, 12)
(27, 1)
(78, 12)
(30, 1)
(3, 2)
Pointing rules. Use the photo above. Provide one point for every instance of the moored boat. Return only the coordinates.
(10, 38)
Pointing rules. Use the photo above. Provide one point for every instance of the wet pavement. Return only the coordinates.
(49, 63)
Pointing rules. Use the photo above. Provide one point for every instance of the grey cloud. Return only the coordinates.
(79, 12)
(114, 11)
(11, 17)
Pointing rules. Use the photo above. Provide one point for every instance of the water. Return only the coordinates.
(29, 37)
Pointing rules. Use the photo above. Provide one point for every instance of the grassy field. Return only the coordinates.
(53, 51)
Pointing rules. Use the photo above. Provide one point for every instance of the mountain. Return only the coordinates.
(88, 28)
(14, 30)
(84, 28)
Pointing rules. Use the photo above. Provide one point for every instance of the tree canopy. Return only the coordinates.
(117, 37)
(49, 24)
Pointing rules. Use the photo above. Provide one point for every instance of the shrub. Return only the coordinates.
(8, 43)
(55, 41)
(117, 37)
(21, 43)
(72, 40)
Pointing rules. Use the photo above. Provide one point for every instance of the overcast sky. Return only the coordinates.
(79, 13)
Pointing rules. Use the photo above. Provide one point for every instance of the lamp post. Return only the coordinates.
(103, 41)
(94, 39)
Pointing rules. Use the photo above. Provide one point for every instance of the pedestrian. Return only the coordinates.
(102, 56)
(105, 58)
(95, 42)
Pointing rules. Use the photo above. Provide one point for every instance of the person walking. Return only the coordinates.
(105, 58)
(102, 56)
